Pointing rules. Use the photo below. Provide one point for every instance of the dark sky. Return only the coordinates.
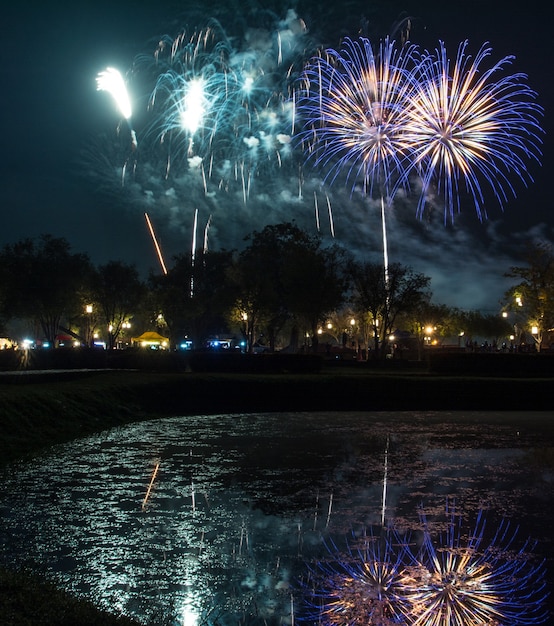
(53, 121)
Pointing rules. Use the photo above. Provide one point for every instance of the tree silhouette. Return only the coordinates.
(119, 292)
(42, 281)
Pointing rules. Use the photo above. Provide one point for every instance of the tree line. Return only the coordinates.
(284, 289)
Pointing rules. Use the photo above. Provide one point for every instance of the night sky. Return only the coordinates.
(56, 130)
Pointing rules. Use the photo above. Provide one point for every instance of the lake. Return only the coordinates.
(271, 518)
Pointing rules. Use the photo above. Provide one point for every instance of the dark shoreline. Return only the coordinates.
(41, 408)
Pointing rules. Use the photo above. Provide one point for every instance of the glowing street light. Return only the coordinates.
(88, 336)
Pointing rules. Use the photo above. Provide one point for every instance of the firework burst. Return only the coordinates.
(353, 107)
(380, 118)
(470, 129)
(216, 110)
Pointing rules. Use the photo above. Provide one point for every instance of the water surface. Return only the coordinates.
(214, 519)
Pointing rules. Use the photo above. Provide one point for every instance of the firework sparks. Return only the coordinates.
(469, 128)
(156, 244)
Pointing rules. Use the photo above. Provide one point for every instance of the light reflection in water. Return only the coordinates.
(189, 616)
(205, 520)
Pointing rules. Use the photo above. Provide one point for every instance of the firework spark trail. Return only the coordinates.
(316, 208)
(467, 126)
(206, 231)
(156, 244)
(329, 510)
(331, 223)
(315, 510)
(385, 477)
(193, 251)
(111, 81)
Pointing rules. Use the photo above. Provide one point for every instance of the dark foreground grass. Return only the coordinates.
(27, 599)
(40, 409)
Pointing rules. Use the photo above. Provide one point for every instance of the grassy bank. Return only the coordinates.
(40, 409)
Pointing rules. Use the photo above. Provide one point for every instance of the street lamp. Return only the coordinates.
(88, 336)
(428, 333)
(125, 327)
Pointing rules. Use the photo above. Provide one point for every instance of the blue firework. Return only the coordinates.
(214, 106)
(353, 105)
(380, 118)
(472, 127)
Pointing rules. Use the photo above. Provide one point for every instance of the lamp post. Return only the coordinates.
(428, 334)
(537, 338)
(352, 327)
(88, 334)
(126, 326)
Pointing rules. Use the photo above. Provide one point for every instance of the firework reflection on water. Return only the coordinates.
(454, 578)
